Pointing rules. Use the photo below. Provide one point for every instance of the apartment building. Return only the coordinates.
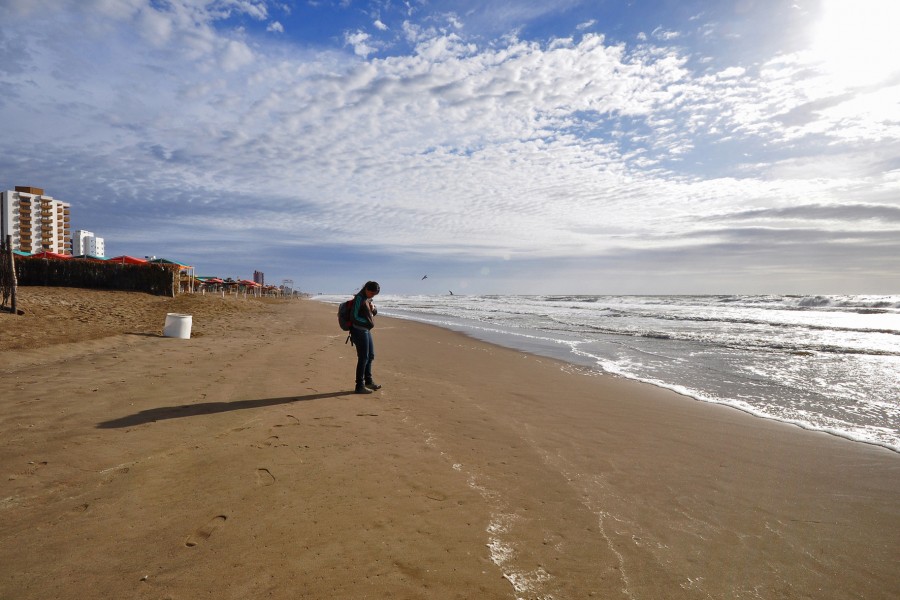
(36, 222)
(85, 242)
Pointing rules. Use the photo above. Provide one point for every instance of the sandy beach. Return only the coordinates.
(238, 464)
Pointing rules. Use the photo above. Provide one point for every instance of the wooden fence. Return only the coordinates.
(159, 279)
(7, 275)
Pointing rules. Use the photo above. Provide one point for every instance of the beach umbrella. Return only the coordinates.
(166, 261)
(55, 255)
(185, 269)
(128, 260)
(91, 257)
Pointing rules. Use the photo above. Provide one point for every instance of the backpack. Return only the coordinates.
(345, 314)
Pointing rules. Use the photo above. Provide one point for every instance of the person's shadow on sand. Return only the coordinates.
(207, 408)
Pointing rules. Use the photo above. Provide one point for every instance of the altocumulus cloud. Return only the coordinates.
(421, 139)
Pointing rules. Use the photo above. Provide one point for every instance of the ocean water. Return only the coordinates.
(827, 363)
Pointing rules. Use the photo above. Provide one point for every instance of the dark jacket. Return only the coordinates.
(363, 311)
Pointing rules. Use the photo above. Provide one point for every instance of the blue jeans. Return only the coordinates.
(365, 354)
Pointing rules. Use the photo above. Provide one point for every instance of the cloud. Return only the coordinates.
(489, 19)
(818, 212)
(275, 27)
(154, 26)
(757, 237)
(236, 54)
(465, 147)
(13, 60)
(731, 72)
(665, 35)
(361, 42)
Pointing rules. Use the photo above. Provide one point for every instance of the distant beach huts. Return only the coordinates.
(240, 286)
(160, 276)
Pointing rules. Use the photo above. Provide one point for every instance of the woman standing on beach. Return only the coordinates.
(362, 317)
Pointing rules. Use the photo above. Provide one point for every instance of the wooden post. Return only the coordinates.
(12, 275)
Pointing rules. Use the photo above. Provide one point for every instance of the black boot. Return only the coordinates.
(361, 389)
(372, 385)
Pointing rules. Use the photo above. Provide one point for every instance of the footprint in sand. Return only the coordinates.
(33, 467)
(270, 442)
(264, 478)
(204, 532)
(111, 474)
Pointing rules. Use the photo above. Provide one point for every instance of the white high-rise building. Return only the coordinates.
(36, 222)
(85, 242)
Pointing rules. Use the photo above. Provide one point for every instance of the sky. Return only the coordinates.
(498, 147)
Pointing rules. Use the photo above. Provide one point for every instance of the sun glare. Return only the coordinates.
(856, 40)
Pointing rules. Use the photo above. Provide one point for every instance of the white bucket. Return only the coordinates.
(177, 326)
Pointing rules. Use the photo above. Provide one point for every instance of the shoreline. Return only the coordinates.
(239, 461)
(493, 337)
